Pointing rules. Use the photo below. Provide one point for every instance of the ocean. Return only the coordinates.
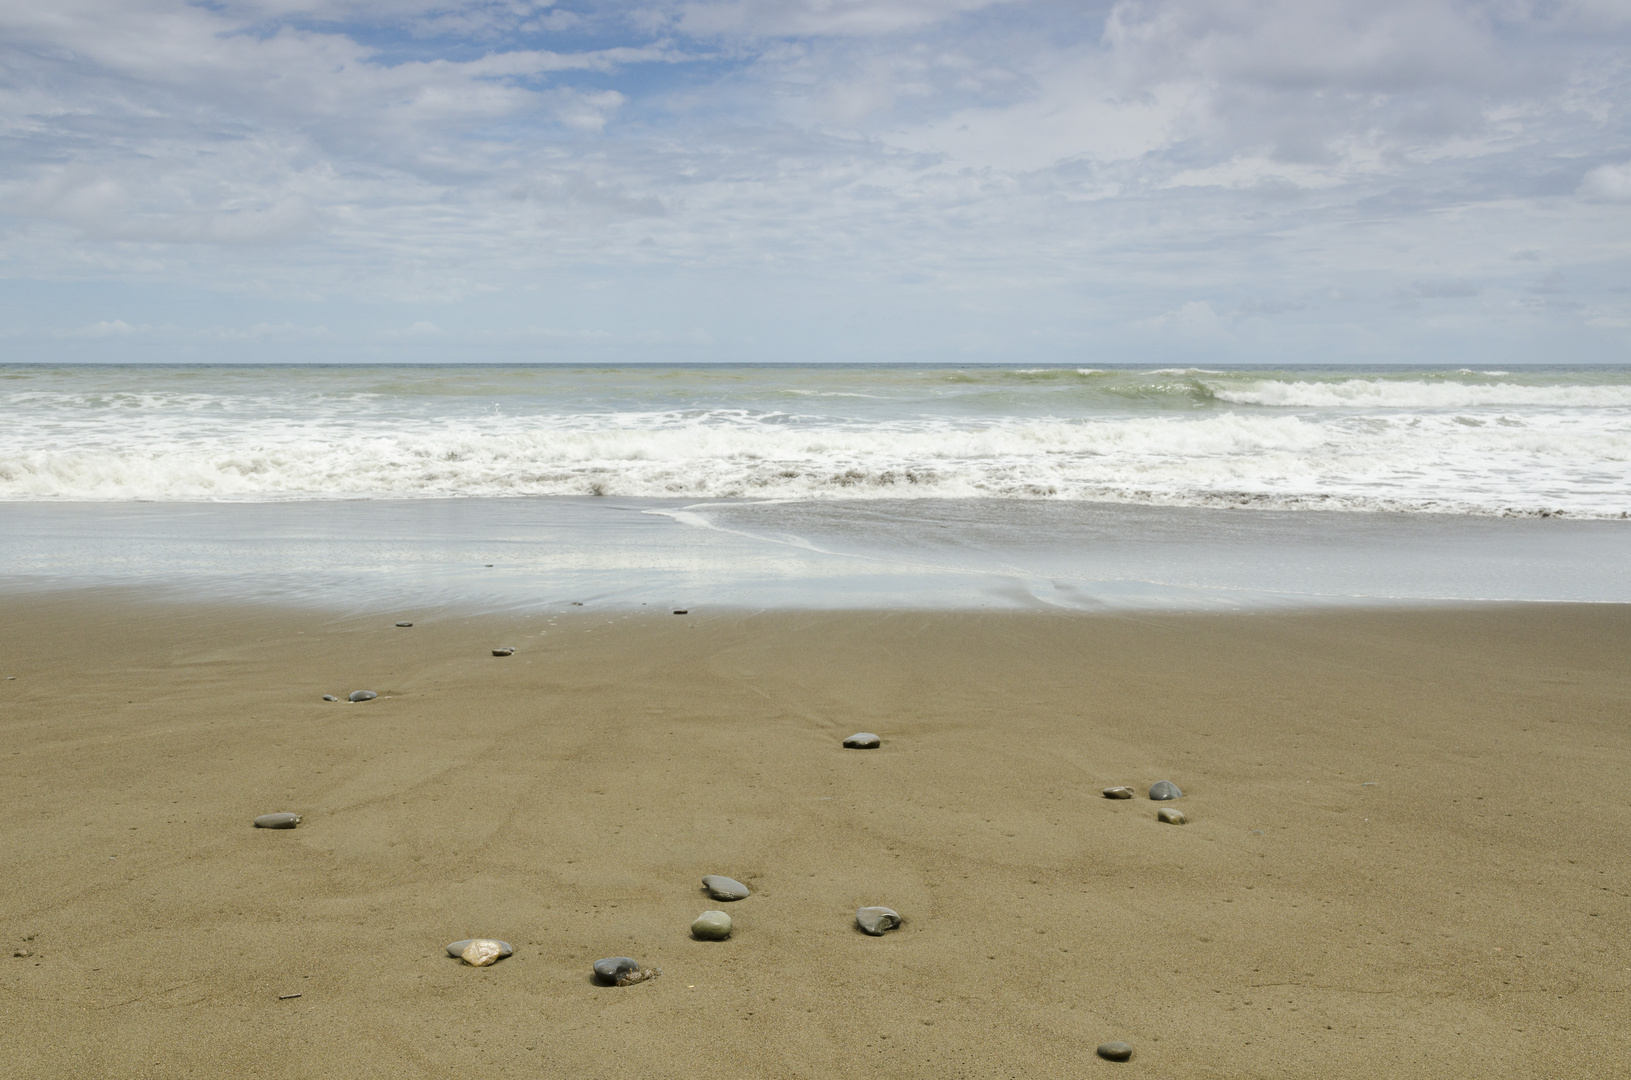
(826, 485)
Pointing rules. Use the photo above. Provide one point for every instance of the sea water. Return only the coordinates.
(831, 485)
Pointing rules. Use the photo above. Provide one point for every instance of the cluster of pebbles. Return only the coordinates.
(716, 925)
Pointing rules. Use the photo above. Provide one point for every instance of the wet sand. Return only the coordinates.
(1405, 856)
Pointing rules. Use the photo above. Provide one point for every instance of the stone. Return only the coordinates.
(876, 920)
(711, 926)
(479, 952)
(1118, 793)
(23, 952)
(863, 740)
(363, 695)
(1171, 815)
(506, 651)
(682, 611)
(404, 624)
(330, 697)
(622, 971)
(1165, 789)
(1115, 1051)
(283, 820)
(723, 888)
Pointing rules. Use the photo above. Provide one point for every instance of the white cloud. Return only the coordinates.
(1609, 183)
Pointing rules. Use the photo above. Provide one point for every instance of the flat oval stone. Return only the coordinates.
(284, 820)
(1118, 793)
(496, 951)
(711, 926)
(330, 697)
(723, 888)
(363, 695)
(1115, 1051)
(504, 652)
(1165, 789)
(876, 920)
(622, 971)
(863, 740)
(404, 624)
(1171, 815)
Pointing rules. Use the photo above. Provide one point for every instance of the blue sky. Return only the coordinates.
(1198, 181)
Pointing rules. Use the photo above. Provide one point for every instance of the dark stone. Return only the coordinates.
(1115, 1051)
(404, 624)
(723, 888)
(682, 611)
(504, 652)
(1162, 790)
(863, 740)
(283, 820)
(622, 971)
(363, 695)
(330, 697)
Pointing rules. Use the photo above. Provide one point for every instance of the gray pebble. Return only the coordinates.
(1115, 1051)
(1118, 793)
(363, 695)
(506, 651)
(284, 820)
(330, 697)
(863, 740)
(711, 926)
(456, 949)
(1165, 789)
(723, 888)
(1171, 815)
(404, 624)
(621, 971)
(876, 920)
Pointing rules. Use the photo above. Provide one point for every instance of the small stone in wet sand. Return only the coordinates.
(622, 971)
(1171, 815)
(711, 926)
(330, 697)
(1165, 789)
(479, 952)
(723, 888)
(1115, 1051)
(506, 651)
(876, 920)
(682, 611)
(863, 740)
(404, 624)
(284, 820)
(363, 695)
(1118, 793)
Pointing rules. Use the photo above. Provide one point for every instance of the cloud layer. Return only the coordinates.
(808, 179)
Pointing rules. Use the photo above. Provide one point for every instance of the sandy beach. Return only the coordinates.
(1405, 854)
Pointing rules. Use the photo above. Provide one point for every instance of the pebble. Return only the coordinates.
(479, 952)
(283, 820)
(404, 624)
(1165, 789)
(711, 926)
(723, 888)
(1171, 815)
(682, 611)
(621, 971)
(863, 740)
(876, 920)
(1115, 1051)
(1118, 793)
(506, 651)
(23, 952)
(330, 697)
(363, 695)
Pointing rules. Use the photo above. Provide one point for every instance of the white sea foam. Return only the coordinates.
(1305, 441)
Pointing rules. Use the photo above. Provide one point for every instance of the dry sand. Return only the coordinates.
(1464, 915)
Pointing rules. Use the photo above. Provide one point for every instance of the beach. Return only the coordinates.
(1403, 856)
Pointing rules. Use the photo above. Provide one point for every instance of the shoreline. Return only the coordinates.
(1400, 850)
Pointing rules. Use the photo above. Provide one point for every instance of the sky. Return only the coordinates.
(932, 181)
